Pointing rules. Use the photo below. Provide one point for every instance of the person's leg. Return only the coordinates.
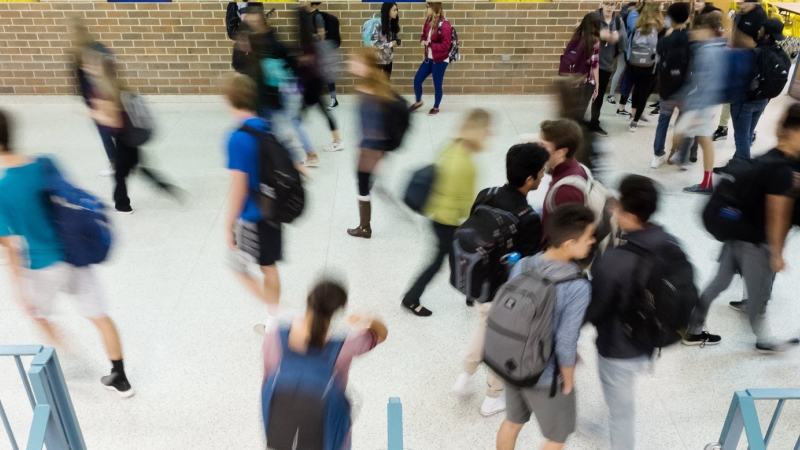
(725, 272)
(625, 87)
(617, 75)
(586, 91)
(272, 285)
(644, 83)
(758, 108)
(108, 142)
(758, 276)
(424, 71)
(664, 117)
(741, 115)
(387, 69)
(508, 434)
(123, 168)
(444, 237)
(368, 161)
(474, 356)
(108, 331)
(725, 116)
(597, 104)
(438, 79)
(618, 378)
(332, 89)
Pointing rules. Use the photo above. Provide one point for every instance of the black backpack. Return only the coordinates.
(280, 196)
(232, 20)
(726, 214)
(773, 66)
(397, 121)
(624, 11)
(674, 65)
(331, 28)
(419, 188)
(479, 245)
(660, 311)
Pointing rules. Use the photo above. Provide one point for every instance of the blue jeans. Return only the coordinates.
(425, 70)
(745, 118)
(664, 117)
(106, 135)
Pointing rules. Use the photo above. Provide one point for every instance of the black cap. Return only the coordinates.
(774, 28)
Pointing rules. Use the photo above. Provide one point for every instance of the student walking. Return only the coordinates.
(38, 268)
(450, 198)
(81, 43)
(374, 97)
(616, 295)
(385, 36)
(570, 233)
(641, 56)
(588, 35)
(436, 40)
(250, 237)
(306, 371)
(766, 203)
(524, 172)
(107, 109)
(771, 64)
(613, 41)
(630, 13)
(562, 140)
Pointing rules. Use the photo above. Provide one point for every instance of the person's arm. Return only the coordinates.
(377, 40)
(444, 44)
(236, 200)
(319, 24)
(105, 113)
(15, 265)
(375, 325)
(578, 295)
(605, 291)
(778, 223)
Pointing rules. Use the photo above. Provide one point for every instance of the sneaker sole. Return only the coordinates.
(491, 413)
(333, 150)
(721, 138)
(124, 394)
(460, 393)
(698, 343)
(123, 213)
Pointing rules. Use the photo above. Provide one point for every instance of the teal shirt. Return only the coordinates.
(24, 212)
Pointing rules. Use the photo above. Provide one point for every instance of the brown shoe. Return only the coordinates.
(365, 215)
(362, 232)
(415, 107)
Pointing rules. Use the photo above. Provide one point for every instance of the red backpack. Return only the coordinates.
(574, 60)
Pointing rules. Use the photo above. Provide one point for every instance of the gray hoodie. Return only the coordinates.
(607, 50)
(572, 299)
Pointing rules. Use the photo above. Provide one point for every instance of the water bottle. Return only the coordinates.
(510, 259)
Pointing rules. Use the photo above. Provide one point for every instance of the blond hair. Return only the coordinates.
(650, 19)
(375, 82)
(241, 92)
(475, 128)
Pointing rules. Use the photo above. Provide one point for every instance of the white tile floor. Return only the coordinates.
(187, 325)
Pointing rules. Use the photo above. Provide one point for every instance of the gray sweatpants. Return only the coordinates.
(618, 377)
(752, 262)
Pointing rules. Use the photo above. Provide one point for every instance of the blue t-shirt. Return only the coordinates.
(243, 156)
(23, 212)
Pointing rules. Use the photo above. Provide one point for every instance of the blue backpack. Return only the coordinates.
(368, 29)
(303, 404)
(80, 218)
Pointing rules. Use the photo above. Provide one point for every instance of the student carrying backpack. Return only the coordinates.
(772, 72)
(574, 60)
(280, 197)
(368, 29)
(642, 48)
(233, 18)
(332, 32)
(727, 215)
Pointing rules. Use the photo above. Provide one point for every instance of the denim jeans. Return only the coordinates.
(664, 117)
(425, 70)
(618, 377)
(745, 118)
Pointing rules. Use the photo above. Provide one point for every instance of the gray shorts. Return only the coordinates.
(556, 416)
(43, 285)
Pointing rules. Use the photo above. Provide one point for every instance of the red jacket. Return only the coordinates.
(440, 41)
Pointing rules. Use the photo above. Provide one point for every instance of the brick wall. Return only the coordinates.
(182, 48)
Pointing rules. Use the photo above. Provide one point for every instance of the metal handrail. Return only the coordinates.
(395, 423)
(54, 421)
(742, 416)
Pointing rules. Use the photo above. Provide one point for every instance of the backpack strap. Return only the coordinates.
(331, 350)
(576, 181)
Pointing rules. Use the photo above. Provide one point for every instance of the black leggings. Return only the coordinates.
(365, 182)
(127, 159)
(444, 237)
(331, 122)
(387, 69)
(643, 78)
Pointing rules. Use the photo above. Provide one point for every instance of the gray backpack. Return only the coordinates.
(519, 334)
(642, 49)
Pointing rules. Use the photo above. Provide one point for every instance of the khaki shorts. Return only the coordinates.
(556, 415)
(699, 122)
(43, 285)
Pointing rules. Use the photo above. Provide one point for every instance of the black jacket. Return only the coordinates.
(613, 289)
(674, 54)
(529, 240)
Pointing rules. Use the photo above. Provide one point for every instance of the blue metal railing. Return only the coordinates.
(54, 421)
(395, 413)
(742, 416)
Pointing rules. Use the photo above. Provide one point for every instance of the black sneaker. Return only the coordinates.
(622, 112)
(777, 348)
(739, 306)
(610, 99)
(697, 189)
(599, 131)
(693, 154)
(721, 134)
(654, 105)
(470, 303)
(753, 139)
(118, 383)
(656, 111)
(702, 339)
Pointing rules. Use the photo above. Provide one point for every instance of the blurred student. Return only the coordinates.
(251, 238)
(306, 372)
(642, 58)
(436, 40)
(81, 42)
(767, 204)
(587, 34)
(524, 173)
(385, 36)
(613, 41)
(616, 290)
(107, 110)
(39, 272)
(451, 198)
(374, 96)
(570, 231)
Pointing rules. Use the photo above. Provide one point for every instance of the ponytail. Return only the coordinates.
(325, 299)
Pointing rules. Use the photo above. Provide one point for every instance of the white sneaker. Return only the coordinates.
(334, 147)
(107, 172)
(463, 386)
(492, 406)
(658, 161)
(676, 160)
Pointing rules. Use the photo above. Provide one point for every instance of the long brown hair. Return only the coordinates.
(82, 39)
(325, 299)
(107, 82)
(437, 13)
(589, 31)
(650, 19)
(375, 81)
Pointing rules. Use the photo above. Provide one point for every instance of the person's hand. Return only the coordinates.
(424, 43)
(230, 239)
(777, 263)
(567, 386)
(605, 35)
(594, 94)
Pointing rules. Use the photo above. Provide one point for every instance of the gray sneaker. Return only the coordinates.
(777, 348)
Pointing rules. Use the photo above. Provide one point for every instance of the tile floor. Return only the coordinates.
(187, 326)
